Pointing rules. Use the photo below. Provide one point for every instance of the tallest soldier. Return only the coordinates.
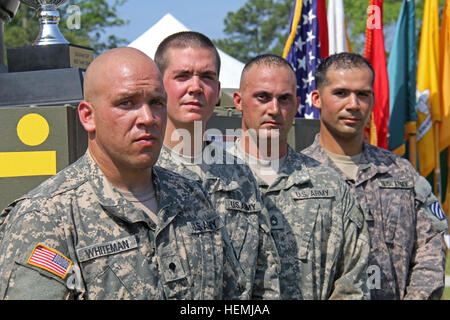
(405, 221)
(190, 65)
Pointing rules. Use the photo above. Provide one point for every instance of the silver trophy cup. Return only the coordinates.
(48, 19)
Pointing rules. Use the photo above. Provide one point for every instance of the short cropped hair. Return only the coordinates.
(343, 60)
(181, 40)
(271, 60)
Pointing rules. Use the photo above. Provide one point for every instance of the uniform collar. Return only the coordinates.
(113, 201)
(215, 175)
(291, 173)
(366, 171)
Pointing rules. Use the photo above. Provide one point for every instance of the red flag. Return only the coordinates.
(375, 53)
(323, 28)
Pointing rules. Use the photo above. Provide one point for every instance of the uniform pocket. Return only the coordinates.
(397, 200)
(175, 284)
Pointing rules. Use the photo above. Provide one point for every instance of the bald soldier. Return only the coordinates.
(112, 225)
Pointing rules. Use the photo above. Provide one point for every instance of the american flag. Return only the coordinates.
(304, 54)
(50, 260)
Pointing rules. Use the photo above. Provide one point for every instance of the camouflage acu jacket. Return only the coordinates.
(319, 231)
(405, 222)
(235, 196)
(102, 247)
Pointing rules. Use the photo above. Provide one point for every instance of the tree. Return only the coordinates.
(93, 17)
(355, 9)
(262, 26)
(258, 27)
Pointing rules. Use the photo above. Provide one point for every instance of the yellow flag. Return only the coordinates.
(444, 134)
(428, 88)
(444, 43)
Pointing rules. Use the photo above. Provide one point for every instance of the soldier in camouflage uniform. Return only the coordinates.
(405, 221)
(190, 66)
(318, 227)
(79, 236)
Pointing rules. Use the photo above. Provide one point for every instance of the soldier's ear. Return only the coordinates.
(315, 99)
(237, 101)
(86, 115)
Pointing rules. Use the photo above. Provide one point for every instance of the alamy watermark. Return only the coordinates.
(373, 277)
(374, 17)
(265, 144)
(74, 19)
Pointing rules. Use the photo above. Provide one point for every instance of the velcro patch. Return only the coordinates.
(437, 210)
(313, 193)
(107, 248)
(201, 225)
(395, 184)
(50, 260)
(232, 204)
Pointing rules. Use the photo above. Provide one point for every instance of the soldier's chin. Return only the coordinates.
(146, 161)
(269, 134)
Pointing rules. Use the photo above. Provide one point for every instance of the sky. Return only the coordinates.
(205, 16)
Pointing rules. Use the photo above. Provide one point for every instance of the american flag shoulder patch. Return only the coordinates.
(50, 260)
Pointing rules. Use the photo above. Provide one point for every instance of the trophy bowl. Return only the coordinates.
(48, 21)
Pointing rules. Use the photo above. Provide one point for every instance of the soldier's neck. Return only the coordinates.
(125, 178)
(262, 148)
(186, 140)
(348, 146)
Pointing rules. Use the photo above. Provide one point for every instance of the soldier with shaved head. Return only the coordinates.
(112, 225)
(318, 227)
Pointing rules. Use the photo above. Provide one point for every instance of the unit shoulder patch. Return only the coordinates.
(435, 207)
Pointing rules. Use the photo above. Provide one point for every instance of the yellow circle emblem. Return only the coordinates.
(33, 129)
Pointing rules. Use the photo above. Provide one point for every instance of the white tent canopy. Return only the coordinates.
(230, 70)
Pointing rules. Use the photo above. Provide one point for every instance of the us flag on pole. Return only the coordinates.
(50, 260)
(302, 50)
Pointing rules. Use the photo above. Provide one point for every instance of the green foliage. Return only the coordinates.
(95, 16)
(258, 27)
(356, 17)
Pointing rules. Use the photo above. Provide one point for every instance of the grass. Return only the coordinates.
(446, 295)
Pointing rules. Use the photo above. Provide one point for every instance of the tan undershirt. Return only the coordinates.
(347, 164)
(145, 199)
(266, 170)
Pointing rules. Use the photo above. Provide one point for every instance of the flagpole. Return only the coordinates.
(437, 170)
(413, 149)
(411, 134)
(447, 197)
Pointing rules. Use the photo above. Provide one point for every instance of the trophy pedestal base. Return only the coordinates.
(54, 56)
(42, 87)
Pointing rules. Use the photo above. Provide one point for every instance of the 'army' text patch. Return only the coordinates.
(201, 225)
(232, 204)
(313, 193)
(395, 184)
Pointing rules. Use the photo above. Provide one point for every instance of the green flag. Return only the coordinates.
(402, 79)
